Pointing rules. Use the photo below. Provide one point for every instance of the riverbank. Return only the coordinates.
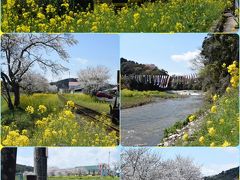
(133, 98)
(218, 126)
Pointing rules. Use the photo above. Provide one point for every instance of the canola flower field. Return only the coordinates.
(221, 124)
(46, 122)
(158, 16)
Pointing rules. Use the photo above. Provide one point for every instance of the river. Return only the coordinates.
(144, 125)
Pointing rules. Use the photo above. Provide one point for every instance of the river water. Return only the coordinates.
(144, 125)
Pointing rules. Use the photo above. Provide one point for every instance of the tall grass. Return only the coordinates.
(90, 102)
(51, 101)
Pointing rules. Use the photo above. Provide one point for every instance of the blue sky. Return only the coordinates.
(171, 52)
(91, 50)
(67, 157)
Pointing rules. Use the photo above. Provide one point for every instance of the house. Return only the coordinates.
(75, 87)
(63, 85)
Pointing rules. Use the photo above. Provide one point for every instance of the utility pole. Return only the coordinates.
(40, 163)
(109, 163)
(109, 159)
(8, 163)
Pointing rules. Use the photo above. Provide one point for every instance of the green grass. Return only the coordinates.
(83, 177)
(51, 101)
(133, 98)
(90, 102)
(228, 110)
(23, 120)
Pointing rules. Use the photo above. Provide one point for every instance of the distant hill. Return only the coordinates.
(231, 174)
(129, 67)
(22, 168)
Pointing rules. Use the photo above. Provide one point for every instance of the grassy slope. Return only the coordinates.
(89, 102)
(228, 110)
(134, 98)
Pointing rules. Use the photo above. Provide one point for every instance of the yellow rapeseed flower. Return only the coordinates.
(40, 123)
(179, 27)
(192, 118)
(214, 109)
(221, 121)
(201, 140)
(24, 132)
(185, 137)
(10, 3)
(74, 142)
(42, 108)
(212, 144)
(226, 143)
(41, 15)
(69, 114)
(211, 131)
(228, 89)
(136, 17)
(50, 9)
(215, 97)
(52, 21)
(29, 109)
(94, 28)
(70, 104)
(47, 133)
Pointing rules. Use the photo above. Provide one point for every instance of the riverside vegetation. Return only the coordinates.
(221, 125)
(158, 16)
(133, 98)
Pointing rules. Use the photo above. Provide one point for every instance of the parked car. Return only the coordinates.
(101, 94)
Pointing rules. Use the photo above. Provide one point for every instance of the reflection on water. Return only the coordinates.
(144, 125)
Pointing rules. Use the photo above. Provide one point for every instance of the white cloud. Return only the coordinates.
(186, 57)
(214, 169)
(79, 60)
